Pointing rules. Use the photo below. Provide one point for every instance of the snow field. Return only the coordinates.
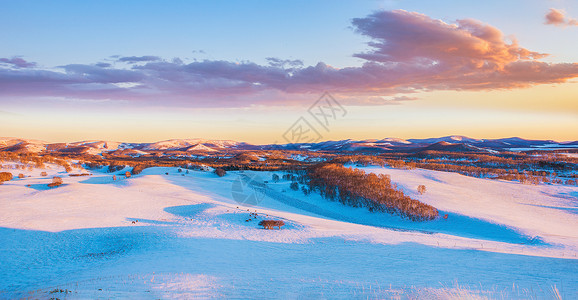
(190, 239)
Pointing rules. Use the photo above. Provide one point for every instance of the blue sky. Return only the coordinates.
(63, 32)
(232, 42)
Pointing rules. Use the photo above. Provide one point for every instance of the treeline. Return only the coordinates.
(515, 168)
(275, 160)
(355, 188)
(31, 160)
(241, 161)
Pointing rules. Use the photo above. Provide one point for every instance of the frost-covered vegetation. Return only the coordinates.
(356, 188)
(521, 167)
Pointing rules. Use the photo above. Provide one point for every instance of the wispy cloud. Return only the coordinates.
(135, 59)
(408, 53)
(277, 62)
(558, 17)
(17, 62)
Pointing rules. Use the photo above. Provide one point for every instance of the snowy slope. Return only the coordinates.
(10, 141)
(183, 143)
(192, 239)
(200, 147)
(21, 145)
(547, 212)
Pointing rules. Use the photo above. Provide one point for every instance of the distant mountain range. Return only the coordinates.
(197, 146)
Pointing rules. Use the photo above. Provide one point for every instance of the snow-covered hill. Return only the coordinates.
(185, 143)
(448, 143)
(184, 235)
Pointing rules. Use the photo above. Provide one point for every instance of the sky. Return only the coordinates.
(287, 71)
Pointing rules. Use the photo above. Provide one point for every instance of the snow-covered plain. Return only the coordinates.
(184, 236)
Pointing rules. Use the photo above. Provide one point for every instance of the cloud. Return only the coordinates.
(415, 39)
(557, 17)
(135, 59)
(99, 74)
(430, 54)
(17, 62)
(277, 62)
(408, 53)
(376, 100)
(102, 65)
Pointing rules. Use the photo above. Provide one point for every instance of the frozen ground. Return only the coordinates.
(190, 239)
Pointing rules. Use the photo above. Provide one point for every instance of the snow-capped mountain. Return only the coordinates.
(184, 144)
(448, 143)
(448, 139)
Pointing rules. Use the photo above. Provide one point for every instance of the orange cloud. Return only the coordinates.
(409, 52)
(558, 18)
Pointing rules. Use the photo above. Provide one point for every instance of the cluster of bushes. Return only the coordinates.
(5, 176)
(355, 188)
(56, 181)
(220, 172)
(274, 160)
(138, 168)
(33, 160)
(115, 167)
(271, 224)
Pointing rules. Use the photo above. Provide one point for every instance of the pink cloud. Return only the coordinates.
(409, 52)
(558, 18)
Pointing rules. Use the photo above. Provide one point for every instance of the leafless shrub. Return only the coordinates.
(271, 224)
(137, 169)
(56, 181)
(5, 176)
(220, 172)
(421, 189)
(44, 174)
(21, 175)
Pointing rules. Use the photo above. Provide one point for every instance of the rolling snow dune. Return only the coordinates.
(185, 236)
(549, 212)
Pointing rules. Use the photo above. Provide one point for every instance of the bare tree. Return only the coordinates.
(421, 189)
